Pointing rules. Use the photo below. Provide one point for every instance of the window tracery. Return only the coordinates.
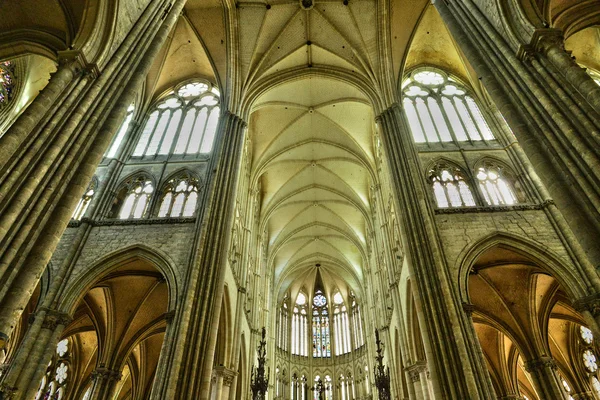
(320, 325)
(300, 326)
(450, 187)
(54, 383)
(439, 110)
(184, 123)
(7, 81)
(85, 201)
(341, 325)
(359, 339)
(134, 197)
(179, 197)
(495, 184)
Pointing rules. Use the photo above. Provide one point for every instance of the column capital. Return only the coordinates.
(583, 396)
(540, 363)
(588, 303)
(7, 391)
(54, 318)
(79, 61)
(469, 309)
(415, 370)
(105, 374)
(227, 374)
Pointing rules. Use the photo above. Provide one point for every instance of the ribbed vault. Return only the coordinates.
(313, 158)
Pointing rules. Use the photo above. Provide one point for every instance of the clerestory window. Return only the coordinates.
(183, 123)
(118, 139)
(440, 110)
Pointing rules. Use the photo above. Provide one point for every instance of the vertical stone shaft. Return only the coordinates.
(545, 379)
(79, 174)
(457, 371)
(562, 158)
(191, 365)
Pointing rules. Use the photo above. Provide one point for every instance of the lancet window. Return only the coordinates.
(179, 197)
(495, 184)
(341, 325)
(327, 386)
(320, 326)
(359, 338)
(283, 325)
(300, 326)
(55, 380)
(118, 139)
(85, 201)
(450, 187)
(134, 197)
(183, 123)
(440, 110)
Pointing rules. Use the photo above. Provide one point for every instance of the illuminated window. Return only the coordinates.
(440, 110)
(133, 198)
(184, 123)
(320, 325)
(7, 81)
(118, 139)
(586, 335)
(283, 325)
(449, 187)
(180, 196)
(341, 325)
(589, 361)
(300, 326)
(359, 339)
(54, 382)
(495, 186)
(85, 201)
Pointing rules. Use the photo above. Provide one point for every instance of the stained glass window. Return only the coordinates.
(439, 110)
(184, 123)
(494, 185)
(320, 325)
(449, 187)
(7, 81)
(54, 382)
(180, 196)
(586, 335)
(589, 361)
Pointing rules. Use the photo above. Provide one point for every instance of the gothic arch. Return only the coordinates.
(75, 291)
(543, 257)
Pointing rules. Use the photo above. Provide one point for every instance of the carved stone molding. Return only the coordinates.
(54, 318)
(415, 370)
(516, 207)
(141, 221)
(105, 374)
(226, 373)
(8, 392)
(540, 364)
(469, 308)
(589, 303)
(583, 396)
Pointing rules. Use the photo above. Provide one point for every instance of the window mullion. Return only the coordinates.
(420, 119)
(178, 131)
(189, 139)
(160, 114)
(165, 131)
(438, 99)
(475, 124)
(435, 127)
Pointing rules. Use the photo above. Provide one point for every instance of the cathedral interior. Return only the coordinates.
(404, 194)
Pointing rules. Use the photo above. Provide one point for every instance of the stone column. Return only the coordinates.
(458, 371)
(419, 376)
(583, 396)
(28, 367)
(549, 130)
(550, 43)
(36, 232)
(222, 379)
(545, 379)
(190, 368)
(104, 381)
